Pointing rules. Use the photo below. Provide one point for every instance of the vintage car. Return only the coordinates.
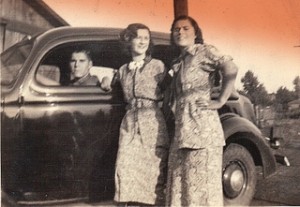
(59, 143)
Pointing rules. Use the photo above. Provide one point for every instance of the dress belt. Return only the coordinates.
(141, 103)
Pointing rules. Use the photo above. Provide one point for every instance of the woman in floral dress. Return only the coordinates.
(195, 161)
(140, 176)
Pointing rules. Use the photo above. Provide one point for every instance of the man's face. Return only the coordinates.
(80, 64)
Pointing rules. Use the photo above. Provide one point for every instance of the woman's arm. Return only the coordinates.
(107, 82)
(229, 71)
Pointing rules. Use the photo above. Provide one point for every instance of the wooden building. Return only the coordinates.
(20, 18)
(294, 105)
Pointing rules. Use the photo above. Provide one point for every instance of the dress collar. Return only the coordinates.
(133, 65)
(192, 50)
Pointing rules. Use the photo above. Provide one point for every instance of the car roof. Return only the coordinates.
(105, 33)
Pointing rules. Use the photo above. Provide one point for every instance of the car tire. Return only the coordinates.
(239, 176)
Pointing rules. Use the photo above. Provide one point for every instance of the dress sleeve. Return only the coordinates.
(163, 76)
(216, 56)
(166, 81)
(118, 75)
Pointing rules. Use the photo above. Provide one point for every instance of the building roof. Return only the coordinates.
(44, 10)
(297, 101)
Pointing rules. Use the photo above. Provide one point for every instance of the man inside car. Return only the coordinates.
(80, 64)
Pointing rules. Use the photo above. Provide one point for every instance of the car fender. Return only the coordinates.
(242, 131)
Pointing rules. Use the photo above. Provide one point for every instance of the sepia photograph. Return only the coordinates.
(150, 103)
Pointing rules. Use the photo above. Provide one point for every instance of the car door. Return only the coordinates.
(69, 133)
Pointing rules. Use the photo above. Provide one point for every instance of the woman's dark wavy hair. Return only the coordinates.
(128, 34)
(198, 32)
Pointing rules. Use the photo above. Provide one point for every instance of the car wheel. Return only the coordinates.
(239, 176)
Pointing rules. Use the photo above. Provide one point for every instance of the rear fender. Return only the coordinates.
(241, 131)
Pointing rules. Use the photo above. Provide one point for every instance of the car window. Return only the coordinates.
(48, 75)
(12, 61)
(54, 69)
(107, 57)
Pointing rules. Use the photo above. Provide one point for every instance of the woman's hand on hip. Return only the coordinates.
(215, 104)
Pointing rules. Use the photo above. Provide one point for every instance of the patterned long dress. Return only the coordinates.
(195, 161)
(143, 146)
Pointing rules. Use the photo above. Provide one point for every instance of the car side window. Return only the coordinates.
(48, 75)
(102, 57)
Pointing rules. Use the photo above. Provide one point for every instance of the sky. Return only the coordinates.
(260, 35)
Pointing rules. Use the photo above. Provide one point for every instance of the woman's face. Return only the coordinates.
(184, 33)
(140, 44)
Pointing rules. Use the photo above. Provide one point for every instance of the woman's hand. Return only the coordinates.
(106, 83)
(215, 104)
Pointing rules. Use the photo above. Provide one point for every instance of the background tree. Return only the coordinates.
(296, 83)
(282, 98)
(254, 90)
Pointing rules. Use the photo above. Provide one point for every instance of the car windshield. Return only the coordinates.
(12, 61)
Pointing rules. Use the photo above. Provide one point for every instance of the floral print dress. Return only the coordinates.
(143, 145)
(195, 161)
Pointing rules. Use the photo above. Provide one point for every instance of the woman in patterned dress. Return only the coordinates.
(140, 176)
(195, 160)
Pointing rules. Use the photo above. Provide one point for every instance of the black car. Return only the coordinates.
(59, 143)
